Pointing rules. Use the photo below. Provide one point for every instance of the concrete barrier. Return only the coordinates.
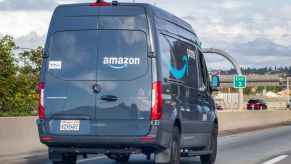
(237, 120)
(19, 135)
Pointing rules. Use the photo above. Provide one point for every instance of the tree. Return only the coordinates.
(27, 80)
(31, 64)
(19, 75)
(7, 73)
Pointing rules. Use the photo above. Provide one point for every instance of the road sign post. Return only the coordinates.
(239, 81)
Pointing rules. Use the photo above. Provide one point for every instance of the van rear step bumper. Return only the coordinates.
(95, 150)
(102, 145)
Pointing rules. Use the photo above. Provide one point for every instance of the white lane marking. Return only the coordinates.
(91, 159)
(276, 160)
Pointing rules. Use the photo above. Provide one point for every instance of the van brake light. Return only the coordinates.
(41, 109)
(157, 101)
(100, 3)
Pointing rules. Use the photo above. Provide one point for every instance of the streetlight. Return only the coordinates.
(236, 65)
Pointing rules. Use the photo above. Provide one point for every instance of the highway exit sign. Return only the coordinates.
(239, 81)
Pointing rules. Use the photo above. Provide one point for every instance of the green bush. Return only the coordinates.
(19, 75)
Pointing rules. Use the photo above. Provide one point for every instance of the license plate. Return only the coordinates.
(70, 125)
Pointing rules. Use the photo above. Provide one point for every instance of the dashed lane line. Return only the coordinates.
(276, 160)
(91, 159)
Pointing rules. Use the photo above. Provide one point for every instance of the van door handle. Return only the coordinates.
(96, 88)
(109, 98)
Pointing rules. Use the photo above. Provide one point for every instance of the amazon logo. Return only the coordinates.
(120, 62)
(180, 73)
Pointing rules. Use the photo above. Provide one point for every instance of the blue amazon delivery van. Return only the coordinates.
(121, 79)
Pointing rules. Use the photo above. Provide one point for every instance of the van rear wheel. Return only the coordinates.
(120, 158)
(172, 154)
(210, 158)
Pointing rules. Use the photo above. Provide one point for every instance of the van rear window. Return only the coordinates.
(98, 54)
(72, 55)
(122, 54)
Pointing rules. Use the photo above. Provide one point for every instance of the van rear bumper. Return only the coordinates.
(102, 145)
(154, 141)
(96, 141)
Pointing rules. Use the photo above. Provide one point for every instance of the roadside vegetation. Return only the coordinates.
(19, 75)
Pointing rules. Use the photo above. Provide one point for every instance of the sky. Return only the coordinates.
(257, 33)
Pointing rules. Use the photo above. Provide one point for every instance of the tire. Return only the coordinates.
(120, 158)
(67, 160)
(171, 155)
(210, 158)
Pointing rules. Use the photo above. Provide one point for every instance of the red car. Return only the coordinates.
(218, 107)
(257, 104)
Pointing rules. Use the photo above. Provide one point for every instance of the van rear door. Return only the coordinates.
(70, 75)
(101, 73)
(123, 105)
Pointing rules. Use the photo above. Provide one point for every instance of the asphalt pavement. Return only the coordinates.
(269, 146)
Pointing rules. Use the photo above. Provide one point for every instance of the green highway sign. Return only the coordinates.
(239, 81)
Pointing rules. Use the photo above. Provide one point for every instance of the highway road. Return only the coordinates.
(269, 146)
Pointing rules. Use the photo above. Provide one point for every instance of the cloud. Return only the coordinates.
(31, 40)
(256, 33)
(13, 5)
(260, 52)
(234, 4)
(262, 47)
(21, 23)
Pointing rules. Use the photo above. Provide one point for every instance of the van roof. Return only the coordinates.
(156, 10)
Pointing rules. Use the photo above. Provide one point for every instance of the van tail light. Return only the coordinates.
(148, 139)
(41, 109)
(46, 138)
(100, 3)
(157, 101)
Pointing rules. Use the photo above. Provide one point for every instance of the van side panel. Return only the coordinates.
(187, 108)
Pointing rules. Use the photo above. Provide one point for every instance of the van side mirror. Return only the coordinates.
(215, 83)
